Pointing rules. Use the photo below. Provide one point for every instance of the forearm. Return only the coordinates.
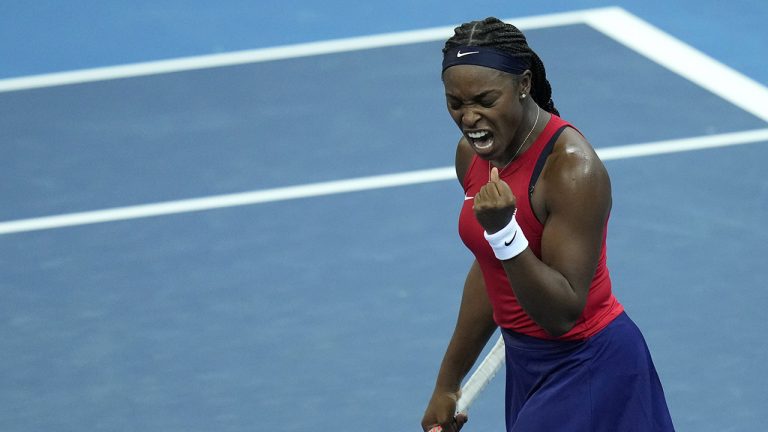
(544, 293)
(474, 327)
(462, 353)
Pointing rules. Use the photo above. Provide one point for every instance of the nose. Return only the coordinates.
(469, 118)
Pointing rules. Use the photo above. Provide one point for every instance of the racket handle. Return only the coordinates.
(437, 428)
(482, 376)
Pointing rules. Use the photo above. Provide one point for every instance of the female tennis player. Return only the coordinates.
(536, 207)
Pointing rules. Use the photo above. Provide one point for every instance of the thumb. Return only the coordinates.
(494, 174)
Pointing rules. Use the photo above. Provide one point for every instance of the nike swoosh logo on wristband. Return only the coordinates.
(511, 240)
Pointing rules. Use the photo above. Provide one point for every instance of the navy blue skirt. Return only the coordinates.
(605, 383)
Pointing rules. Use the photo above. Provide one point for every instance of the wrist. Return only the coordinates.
(509, 241)
(443, 386)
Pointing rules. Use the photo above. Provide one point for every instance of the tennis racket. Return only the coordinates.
(481, 377)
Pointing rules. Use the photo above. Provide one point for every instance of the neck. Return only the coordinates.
(532, 114)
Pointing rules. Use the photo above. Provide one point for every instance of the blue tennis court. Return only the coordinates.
(269, 243)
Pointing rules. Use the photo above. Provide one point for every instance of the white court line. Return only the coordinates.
(614, 22)
(270, 54)
(349, 185)
(682, 59)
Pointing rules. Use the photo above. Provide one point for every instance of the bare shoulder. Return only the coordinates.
(573, 152)
(575, 175)
(464, 155)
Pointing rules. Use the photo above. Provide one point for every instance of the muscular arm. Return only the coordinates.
(577, 198)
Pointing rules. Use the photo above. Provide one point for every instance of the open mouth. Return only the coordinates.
(481, 140)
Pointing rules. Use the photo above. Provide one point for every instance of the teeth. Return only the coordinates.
(477, 135)
(483, 146)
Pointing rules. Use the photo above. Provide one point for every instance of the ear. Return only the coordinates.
(524, 83)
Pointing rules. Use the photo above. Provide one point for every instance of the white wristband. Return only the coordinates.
(508, 242)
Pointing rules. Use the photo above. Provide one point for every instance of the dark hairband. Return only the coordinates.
(485, 56)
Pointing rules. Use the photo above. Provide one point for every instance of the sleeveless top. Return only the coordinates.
(521, 175)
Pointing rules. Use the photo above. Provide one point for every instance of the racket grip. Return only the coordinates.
(436, 428)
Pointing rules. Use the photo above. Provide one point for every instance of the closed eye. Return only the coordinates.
(453, 103)
(486, 100)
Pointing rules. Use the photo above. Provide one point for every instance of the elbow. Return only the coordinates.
(556, 331)
(563, 318)
(561, 325)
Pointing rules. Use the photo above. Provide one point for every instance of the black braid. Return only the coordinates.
(492, 32)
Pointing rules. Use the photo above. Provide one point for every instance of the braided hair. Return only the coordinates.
(494, 33)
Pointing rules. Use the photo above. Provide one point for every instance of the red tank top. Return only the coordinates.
(521, 175)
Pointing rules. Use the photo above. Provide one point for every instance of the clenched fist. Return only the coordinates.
(494, 204)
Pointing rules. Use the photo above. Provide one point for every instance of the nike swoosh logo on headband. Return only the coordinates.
(461, 54)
